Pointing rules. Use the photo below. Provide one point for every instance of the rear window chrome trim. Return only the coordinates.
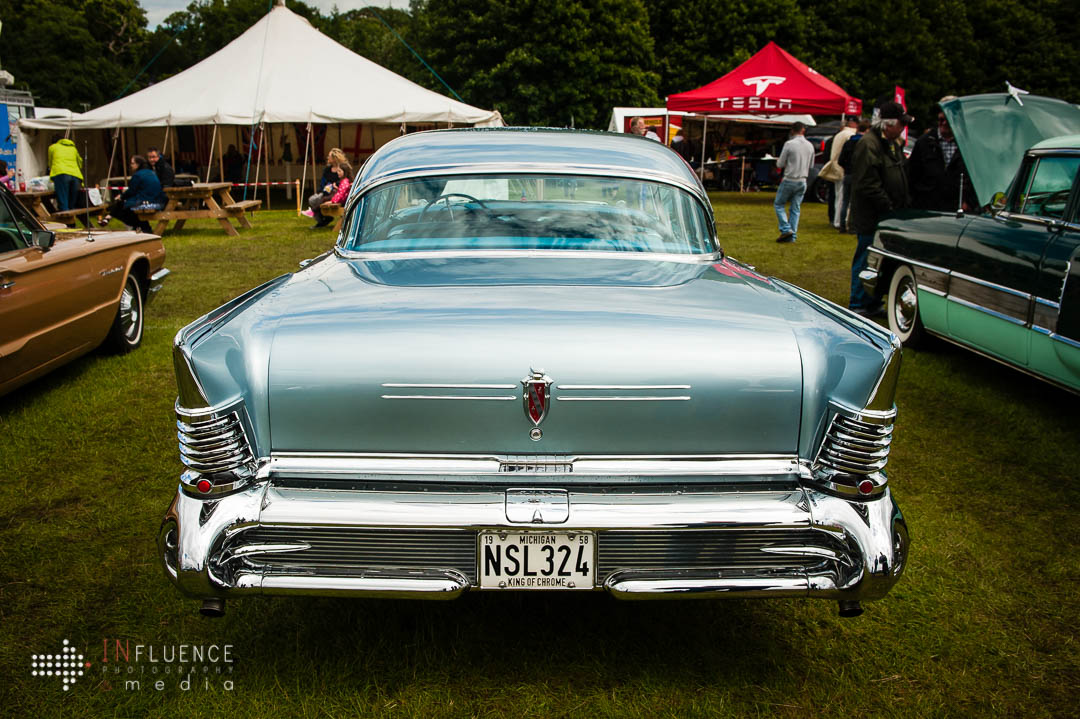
(689, 259)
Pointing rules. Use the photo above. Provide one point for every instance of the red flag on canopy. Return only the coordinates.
(772, 82)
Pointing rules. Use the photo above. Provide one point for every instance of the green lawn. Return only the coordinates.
(985, 621)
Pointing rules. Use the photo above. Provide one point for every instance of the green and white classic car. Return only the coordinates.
(1004, 282)
(528, 365)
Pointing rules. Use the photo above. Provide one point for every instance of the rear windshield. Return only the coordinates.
(529, 212)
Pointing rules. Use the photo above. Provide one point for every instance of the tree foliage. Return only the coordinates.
(542, 62)
(72, 53)
(561, 61)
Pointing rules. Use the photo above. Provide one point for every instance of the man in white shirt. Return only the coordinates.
(796, 159)
(838, 192)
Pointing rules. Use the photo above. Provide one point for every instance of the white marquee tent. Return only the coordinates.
(281, 70)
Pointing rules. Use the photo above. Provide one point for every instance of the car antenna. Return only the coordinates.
(86, 192)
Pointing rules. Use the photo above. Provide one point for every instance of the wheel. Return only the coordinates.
(821, 191)
(903, 307)
(448, 195)
(127, 328)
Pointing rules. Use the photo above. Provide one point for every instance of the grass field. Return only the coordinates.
(984, 623)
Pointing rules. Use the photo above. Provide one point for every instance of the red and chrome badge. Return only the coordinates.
(536, 398)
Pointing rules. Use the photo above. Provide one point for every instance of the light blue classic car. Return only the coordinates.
(528, 365)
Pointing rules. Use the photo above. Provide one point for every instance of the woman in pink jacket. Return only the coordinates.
(341, 191)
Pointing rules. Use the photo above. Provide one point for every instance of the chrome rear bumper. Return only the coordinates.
(652, 543)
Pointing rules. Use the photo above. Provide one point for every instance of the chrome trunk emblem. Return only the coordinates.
(536, 398)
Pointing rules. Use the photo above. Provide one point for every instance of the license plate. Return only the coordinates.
(537, 560)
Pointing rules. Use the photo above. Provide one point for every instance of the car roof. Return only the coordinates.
(527, 150)
(1062, 142)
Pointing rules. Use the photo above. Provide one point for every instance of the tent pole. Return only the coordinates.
(258, 158)
(266, 166)
(210, 159)
(220, 161)
(123, 151)
(172, 146)
(112, 156)
(704, 139)
(303, 179)
(314, 189)
(667, 128)
(165, 142)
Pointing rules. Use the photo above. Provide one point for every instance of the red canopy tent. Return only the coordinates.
(771, 82)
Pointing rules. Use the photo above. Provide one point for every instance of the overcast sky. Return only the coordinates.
(158, 10)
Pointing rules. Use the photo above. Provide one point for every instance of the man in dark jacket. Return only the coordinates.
(936, 170)
(879, 186)
(161, 167)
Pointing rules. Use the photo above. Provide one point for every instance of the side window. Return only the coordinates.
(14, 235)
(1050, 187)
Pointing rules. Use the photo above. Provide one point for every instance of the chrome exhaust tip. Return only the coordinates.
(213, 608)
(848, 608)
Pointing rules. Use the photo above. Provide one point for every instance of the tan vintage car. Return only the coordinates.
(62, 295)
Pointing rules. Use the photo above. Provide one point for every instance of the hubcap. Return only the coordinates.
(906, 306)
(130, 312)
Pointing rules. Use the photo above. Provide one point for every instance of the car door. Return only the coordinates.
(1055, 342)
(999, 257)
(41, 316)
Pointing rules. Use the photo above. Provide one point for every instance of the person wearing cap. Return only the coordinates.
(936, 170)
(879, 186)
(796, 159)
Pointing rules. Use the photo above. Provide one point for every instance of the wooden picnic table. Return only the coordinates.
(211, 200)
(34, 200)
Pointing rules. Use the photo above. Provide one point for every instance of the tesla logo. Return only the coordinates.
(536, 398)
(762, 82)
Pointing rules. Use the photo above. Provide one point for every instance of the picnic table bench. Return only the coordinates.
(333, 209)
(82, 214)
(210, 200)
(34, 200)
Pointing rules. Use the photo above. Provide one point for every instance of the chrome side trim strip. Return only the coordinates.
(932, 290)
(908, 260)
(500, 398)
(450, 386)
(623, 386)
(623, 399)
(1048, 303)
(992, 285)
(992, 313)
(349, 465)
(703, 259)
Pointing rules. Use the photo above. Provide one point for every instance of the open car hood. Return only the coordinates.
(994, 130)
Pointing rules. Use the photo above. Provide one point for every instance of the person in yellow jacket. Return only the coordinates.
(66, 172)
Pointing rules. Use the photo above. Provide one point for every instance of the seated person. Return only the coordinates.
(337, 193)
(143, 193)
(328, 183)
(161, 167)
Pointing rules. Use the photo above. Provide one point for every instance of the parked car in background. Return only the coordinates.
(1005, 281)
(64, 294)
(528, 365)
